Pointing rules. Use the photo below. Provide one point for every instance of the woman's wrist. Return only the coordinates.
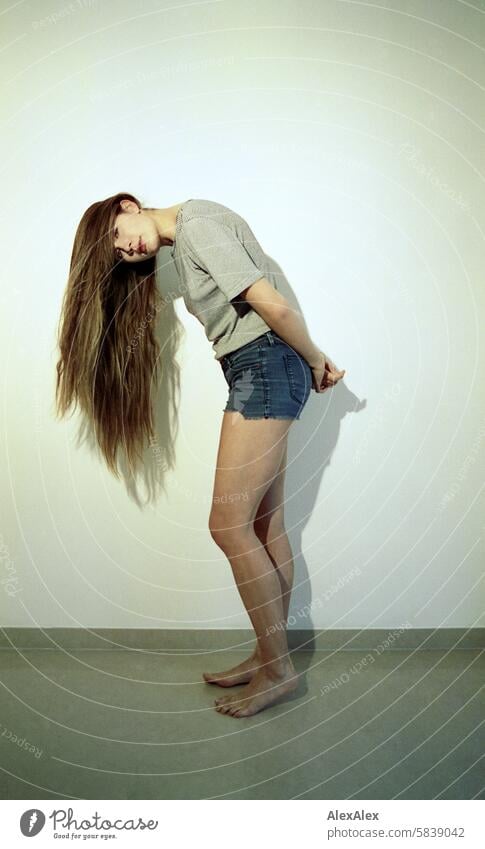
(316, 359)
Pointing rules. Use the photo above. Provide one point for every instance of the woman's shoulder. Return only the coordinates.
(203, 207)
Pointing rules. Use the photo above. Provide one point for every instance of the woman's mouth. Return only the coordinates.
(141, 247)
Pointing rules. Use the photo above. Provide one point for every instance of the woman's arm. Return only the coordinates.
(289, 324)
(277, 312)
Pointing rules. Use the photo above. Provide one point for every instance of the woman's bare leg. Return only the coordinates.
(270, 529)
(249, 458)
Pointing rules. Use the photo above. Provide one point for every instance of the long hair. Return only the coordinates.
(109, 354)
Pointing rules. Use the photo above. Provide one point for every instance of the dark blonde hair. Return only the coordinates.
(109, 354)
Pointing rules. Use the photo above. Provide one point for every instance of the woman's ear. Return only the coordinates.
(129, 206)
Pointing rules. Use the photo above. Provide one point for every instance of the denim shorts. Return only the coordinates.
(267, 379)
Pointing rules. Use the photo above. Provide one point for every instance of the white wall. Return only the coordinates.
(350, 137)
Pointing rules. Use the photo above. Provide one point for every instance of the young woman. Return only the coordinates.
(268, 360)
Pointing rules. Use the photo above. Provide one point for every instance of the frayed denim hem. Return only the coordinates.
(256, 418)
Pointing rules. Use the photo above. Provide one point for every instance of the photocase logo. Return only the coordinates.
(243, 390)
(31, 822)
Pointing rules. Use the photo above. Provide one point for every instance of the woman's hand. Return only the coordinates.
(325, 373)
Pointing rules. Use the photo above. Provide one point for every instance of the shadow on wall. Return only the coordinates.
(311, 443)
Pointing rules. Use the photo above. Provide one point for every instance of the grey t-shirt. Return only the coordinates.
(217, 255)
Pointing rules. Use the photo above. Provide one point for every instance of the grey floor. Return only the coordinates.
(94, 724)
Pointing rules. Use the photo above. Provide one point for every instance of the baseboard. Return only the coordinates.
(194, 641)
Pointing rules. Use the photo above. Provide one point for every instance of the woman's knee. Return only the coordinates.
(227, 528)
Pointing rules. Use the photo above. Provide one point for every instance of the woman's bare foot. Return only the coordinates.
(263, 690)
(240, 674)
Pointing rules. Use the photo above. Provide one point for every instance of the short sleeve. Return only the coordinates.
(216, 249)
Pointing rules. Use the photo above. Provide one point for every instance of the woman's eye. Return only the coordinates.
(118, 254)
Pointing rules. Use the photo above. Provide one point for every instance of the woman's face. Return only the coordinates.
(135, 234)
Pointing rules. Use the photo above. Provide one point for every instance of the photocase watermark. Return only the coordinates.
(412, 155)
(10, 580)
(303, 612)
(21, 742)
(222, 498)
(148, 318)
(158, 453)
(167, 71)
(399, 291)
(229, 498)
(243, 390)
(140, 330)
(469, 460)
(38, 422)
(481, 538)
(365, 661)
(64, 12)
(377, 419)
